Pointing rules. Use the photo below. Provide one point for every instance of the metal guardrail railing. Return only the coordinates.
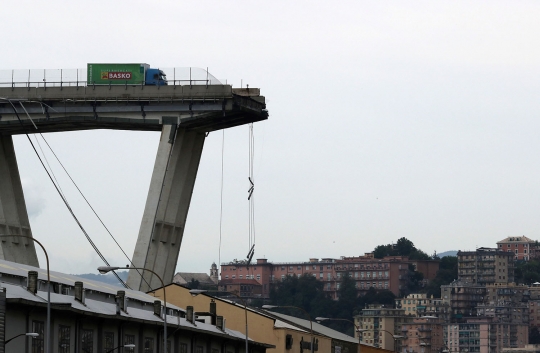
(34, 78)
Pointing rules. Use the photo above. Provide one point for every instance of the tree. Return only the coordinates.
(193, 284)
(448, 272)
(405, 247)
(534, 335)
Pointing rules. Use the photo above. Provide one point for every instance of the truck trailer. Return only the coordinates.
(125, 74)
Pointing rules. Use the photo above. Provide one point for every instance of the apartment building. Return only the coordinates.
(485, 266)
(381, 325)
(462, 298)
(522, 247)
(391, 272)
(422, 335)
(419, 304)
(471, 337)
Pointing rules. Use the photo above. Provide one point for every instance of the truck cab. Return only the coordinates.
(155, 77)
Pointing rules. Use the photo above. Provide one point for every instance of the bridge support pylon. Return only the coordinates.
(13, 215)
(167, 205)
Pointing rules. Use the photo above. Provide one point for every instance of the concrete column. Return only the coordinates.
(13, 215)
(167, 206)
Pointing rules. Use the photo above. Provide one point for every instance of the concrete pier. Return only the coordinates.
(13, 215)
(165, 213)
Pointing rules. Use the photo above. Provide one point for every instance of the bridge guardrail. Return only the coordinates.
(34, 78)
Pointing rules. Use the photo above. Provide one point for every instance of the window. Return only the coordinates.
(328, 286)
(258, 277)
(38, 343)
(321, 275)
(329, 276)
(282, 277)
(227, 276)
(307, 268)
(199, 349)
(314, 267)
(108, 341)
(64, 339)
(290, 268)
(233, 276)
(87, 341)
(183, 348)
(362, 275)
(338, 285)
(240, 276)
(339, 275)
(282, 268)
(149, 345)
(299, 267)
(356, 275)
(129, 339)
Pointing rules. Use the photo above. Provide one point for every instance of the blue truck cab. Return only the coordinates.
(155, 77)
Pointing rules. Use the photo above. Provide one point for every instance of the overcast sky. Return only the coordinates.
(414, 119)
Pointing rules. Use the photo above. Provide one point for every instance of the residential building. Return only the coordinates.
(471, 337)
(380, 325)
(391, 272)
(534, 313)
(422, 335)
(462, 298)
(485, 266)
(419, 304)
(522, 247)
(245, 288)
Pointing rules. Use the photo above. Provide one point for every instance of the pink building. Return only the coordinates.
(389, 273)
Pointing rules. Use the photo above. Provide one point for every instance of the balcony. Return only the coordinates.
(424, 329)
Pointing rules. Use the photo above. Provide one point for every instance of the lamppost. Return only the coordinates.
(395, 337)
(195, 292)
(29, 334)
(295, 307)
(48, 326)
(122, 346)
(357, 328)
(105, 269)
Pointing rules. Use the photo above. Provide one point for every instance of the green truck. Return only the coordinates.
(125, 74)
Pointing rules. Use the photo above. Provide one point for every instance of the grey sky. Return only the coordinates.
(387, 119)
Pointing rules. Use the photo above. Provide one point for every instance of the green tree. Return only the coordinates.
(534, 335)
(193, 284)
(448, 272)
(405, 247)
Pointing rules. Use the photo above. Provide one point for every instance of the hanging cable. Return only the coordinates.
(251, 198)
(92, 208)
(221, 196)
(64, 199)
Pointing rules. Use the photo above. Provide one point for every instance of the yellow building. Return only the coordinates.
(288, 334)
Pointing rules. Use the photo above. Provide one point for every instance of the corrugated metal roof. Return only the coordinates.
(318, 328)
(16, 269)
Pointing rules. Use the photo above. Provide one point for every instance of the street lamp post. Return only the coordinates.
(48, 326)
(196, 292)
(357, 328)
(122, 346)
(295, 307)
(395, 337)
(105, 269)
(29, 334)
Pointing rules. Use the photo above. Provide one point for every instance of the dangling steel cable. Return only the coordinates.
(64, 199)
